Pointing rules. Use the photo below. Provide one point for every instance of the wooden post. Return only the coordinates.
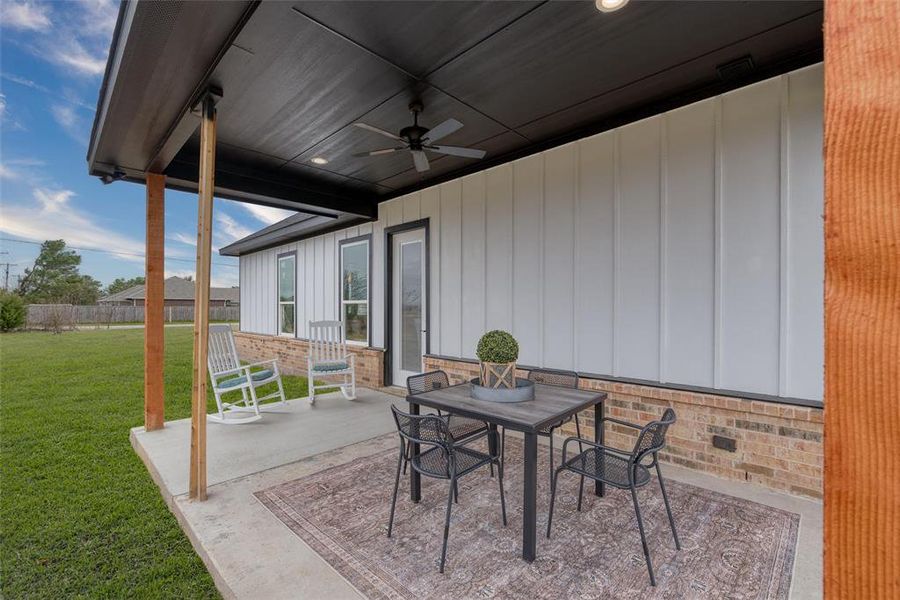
(154, 267)
(206, 185)
(862, 299)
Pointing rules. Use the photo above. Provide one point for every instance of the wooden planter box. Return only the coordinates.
(498, 375)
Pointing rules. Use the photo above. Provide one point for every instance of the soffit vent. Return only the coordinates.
(736, 69)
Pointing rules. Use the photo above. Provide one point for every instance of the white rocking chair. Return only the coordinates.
(328, 357)
(229, 375)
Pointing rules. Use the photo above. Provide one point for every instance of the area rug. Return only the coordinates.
(731, 548)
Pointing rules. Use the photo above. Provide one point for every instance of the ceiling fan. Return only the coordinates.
(418, 139)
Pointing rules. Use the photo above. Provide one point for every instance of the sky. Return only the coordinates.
(52, 59)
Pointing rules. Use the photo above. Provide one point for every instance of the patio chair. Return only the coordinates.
(568, 379)
(440, 457)
(228, 375)
(623, 470)
(328, 357)
(462, 428)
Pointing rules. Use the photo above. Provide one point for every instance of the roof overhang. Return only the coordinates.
(521, 77)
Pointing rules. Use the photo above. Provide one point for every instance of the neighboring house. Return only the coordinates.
(178, 292)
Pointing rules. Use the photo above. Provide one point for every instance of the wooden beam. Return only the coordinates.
(154, 299)
(197, 487)
(862, 299)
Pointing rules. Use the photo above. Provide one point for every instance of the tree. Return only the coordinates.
(12, 311)
(120, 284)
(55, 278)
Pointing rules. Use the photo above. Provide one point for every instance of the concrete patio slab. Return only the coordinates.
(251, 554)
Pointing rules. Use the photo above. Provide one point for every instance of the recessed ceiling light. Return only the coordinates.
(318, 160)
(610, 5)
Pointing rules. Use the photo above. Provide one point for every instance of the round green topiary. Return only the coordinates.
(497, 346)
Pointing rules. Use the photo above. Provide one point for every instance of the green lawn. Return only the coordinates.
(79, 514)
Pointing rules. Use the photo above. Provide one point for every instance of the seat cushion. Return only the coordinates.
(237, 381)
(260, 375)
(610, 468)
(337, 365)
(233, 382)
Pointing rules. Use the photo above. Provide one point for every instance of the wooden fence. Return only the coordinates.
(66, 316)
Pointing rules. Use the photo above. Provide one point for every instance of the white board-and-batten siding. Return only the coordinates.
(686, 248)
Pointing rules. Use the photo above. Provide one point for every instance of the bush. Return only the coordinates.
(497, 346)
(12, 311)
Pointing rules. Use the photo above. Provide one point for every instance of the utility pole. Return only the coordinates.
(6, 266)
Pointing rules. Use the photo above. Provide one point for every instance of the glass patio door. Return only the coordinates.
(408, 299)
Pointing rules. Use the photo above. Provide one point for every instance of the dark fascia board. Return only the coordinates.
(650, 109)
(320, 200)
(116, 49)
(310, 228)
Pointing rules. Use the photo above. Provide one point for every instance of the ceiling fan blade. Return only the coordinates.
(443, 130)
(377, 130)
(378, 152)
(420, 160)
(457, 151)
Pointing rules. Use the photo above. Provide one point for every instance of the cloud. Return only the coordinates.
(26, 82)
(72, 53)
(267, 214)
(230, 229)
(9, 122)
(183, 238)
(52, 201)
(55, 218)
(27, 15)
(7, 173)
(70, 121)
(76, 38)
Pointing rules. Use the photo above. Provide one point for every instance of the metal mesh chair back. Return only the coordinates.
(222, 354)
(550, 377)
(433, 380)
(652, 437)
(422, 429)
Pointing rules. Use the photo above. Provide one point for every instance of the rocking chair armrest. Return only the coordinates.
(271, 361)
(218, 374)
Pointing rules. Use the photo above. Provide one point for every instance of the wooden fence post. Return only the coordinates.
(862, 299)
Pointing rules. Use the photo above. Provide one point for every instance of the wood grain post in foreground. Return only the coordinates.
(206, 185)
(154, 298)
(862, 299)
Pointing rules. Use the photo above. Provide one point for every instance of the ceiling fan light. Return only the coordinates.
(318, 160)
(610, 5)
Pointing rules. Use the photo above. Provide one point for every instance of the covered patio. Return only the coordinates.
(641, 208)
(252, 554)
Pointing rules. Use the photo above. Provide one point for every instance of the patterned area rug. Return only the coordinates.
(731, 548)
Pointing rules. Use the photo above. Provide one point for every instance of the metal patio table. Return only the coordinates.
(551, 404)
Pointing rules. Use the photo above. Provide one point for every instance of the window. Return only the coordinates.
(287, 309)
(355, 290)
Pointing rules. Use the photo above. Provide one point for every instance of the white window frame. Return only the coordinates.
(367, 241)
(279, 303)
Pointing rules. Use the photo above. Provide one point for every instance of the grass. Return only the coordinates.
(79, 514)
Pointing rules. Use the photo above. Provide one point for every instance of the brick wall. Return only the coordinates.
(777, 446)
(291, 354)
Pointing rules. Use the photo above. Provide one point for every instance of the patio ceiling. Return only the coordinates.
(521, 76)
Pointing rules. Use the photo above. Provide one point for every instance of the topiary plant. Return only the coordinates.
(497, 346)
